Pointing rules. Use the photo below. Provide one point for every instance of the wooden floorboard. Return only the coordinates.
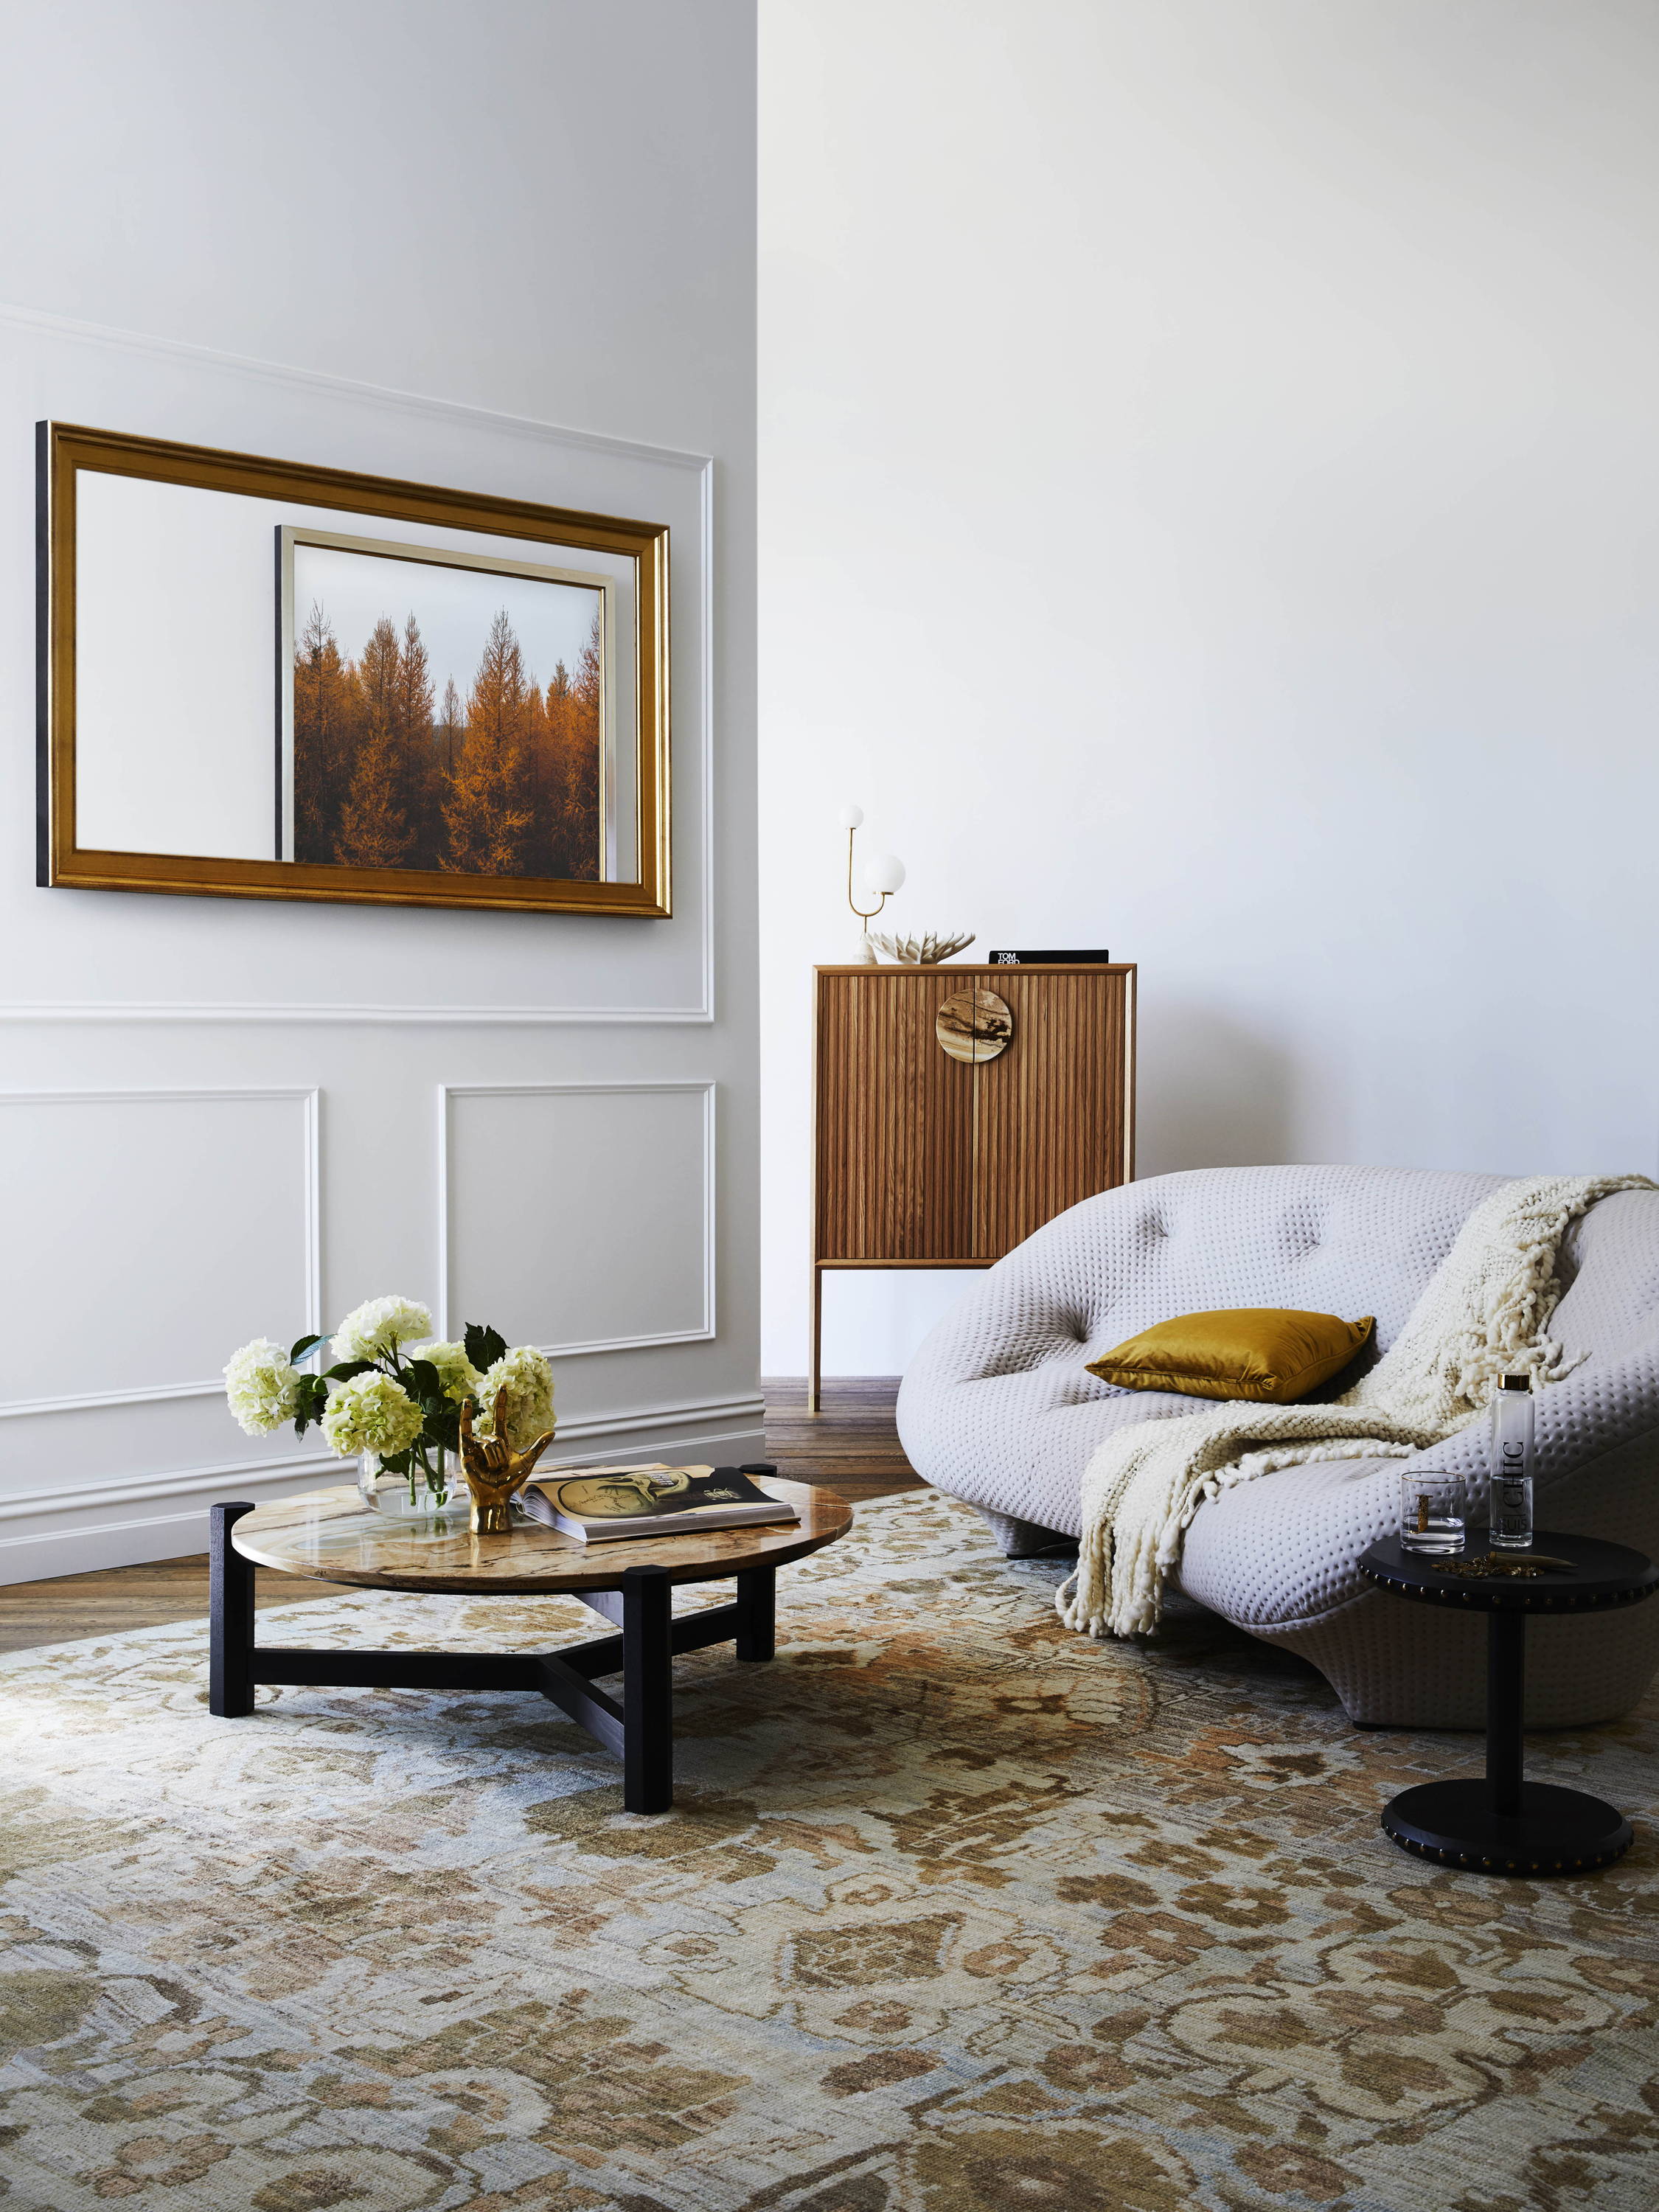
(120, 1598)
(852, 1446)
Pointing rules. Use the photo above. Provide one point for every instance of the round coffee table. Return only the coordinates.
(1506, 1825)
(333, 1535)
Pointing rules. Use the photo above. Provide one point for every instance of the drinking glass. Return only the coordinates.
(1431, 1512)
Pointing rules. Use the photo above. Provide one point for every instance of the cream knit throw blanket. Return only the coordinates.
(1484, 1311)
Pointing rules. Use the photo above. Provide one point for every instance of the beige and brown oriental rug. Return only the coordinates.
(960, 1913)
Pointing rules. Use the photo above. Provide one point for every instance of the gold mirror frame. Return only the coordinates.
(65, 449)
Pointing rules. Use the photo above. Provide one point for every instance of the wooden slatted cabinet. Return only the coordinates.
(922, 1160)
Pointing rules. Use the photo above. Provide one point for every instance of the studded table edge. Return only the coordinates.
(1479, 1863)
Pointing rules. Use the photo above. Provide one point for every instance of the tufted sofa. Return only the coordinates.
(997, 1409)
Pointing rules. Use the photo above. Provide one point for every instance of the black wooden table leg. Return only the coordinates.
(648, 1691)
(1506, 1681)
(230, 1627)
(758, 1636)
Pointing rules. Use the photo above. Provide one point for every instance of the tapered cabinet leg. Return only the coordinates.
(230, 1628)
(815, 1349)
(758, 1636)
(648, 1691)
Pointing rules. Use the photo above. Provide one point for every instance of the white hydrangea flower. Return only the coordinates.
(527, 1379)
(460, 1378)
(371, 1413)
(370, 1330)
(262, 1387)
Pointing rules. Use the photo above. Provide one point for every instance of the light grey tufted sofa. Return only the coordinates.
(997, 1409)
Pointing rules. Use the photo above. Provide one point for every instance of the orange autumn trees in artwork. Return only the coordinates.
(505, 782)
(487, 810)
(376, 828)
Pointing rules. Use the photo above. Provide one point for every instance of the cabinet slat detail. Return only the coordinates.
(1051, 1107)
(894, 1121)
(922, 1160)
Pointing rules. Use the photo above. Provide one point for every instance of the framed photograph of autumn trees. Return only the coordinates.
(353, 688)
(416, 728)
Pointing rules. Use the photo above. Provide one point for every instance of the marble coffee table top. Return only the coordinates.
(333, 1535)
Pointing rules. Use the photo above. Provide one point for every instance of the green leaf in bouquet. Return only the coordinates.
(346, 1369)
(443, 1425)
(484, 1346)
(309, 1401)
(397, 1462)
(305, 1345)
(423, 1378)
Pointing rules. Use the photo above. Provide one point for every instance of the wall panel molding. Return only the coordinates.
(692, 767)
(46, 1010)
(733, 1412)
(220, 1480)
(309, 1099)
(184, 1223)
(302, 380)
(91, 1524)
(448, 1319)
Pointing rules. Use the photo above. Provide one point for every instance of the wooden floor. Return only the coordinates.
(852, 1446)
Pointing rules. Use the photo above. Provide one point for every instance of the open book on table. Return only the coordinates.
(595, 1503)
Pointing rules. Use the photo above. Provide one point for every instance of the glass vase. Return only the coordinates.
(401, 1497)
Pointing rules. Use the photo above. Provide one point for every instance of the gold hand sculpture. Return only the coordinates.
(493, 1469)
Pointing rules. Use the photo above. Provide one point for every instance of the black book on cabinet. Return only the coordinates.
(1049, 959)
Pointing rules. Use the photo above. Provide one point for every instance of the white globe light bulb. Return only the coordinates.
(851, 817)
(885, 872)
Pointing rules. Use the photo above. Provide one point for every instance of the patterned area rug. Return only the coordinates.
(959, 1912)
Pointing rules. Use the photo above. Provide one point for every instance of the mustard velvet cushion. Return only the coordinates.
(1264, 1352)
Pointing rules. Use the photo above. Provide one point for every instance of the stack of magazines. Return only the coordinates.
(595, 1503)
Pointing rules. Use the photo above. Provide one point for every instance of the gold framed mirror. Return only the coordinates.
(260, 679)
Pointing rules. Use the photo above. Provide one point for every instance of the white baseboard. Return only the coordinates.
(129, 1520)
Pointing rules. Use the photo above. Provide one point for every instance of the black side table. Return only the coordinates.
(1506, 1824)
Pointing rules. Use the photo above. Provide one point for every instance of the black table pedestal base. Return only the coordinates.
(1506, 1824)
(1556, 1832)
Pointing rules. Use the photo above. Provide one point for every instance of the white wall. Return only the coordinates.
(526, 213)
(1209, 481)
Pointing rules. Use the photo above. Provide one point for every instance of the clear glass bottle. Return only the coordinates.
(1511, 1458)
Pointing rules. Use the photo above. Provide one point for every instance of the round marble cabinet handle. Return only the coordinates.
(974, 1025)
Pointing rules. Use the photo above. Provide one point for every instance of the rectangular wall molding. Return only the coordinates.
(693, 763)
(167, 1220)
(595, 1261)
(307, 1224)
